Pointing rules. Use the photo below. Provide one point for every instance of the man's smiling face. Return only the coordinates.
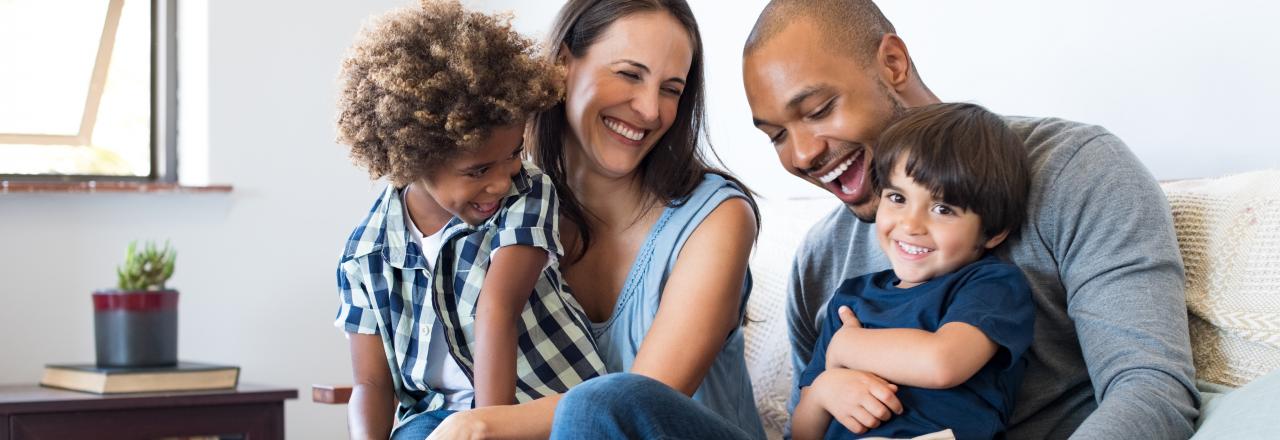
(822, 109)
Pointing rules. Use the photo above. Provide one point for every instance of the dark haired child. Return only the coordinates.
(451, 291)
(937, 343)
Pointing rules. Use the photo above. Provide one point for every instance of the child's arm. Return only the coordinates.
(919, 358)
(371, 410)
(810, 420)
(513, 271)
(856, 399)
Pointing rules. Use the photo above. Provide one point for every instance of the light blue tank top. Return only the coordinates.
(727, 388)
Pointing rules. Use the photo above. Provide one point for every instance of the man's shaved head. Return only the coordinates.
(851, 26)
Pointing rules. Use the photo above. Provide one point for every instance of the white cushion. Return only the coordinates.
(1229, 234)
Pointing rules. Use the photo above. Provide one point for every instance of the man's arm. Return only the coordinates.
(513, 271)
(914, 357)
(1111, 232)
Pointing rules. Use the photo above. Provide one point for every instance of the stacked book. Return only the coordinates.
(185, 376)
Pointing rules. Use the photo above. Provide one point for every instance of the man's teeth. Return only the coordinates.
(913, 250)
(827, 178)
(628, 133)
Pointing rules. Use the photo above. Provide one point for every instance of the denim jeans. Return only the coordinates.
(630, 406)
(421, 426)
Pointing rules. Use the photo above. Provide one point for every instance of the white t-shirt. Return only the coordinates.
(443, 373)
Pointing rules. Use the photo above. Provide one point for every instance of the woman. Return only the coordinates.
(658, 239)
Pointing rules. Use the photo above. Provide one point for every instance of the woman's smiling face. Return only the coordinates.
(623, 93)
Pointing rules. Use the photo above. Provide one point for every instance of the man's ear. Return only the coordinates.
(995, 241)
(894, 62)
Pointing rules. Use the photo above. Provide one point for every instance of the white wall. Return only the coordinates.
(1190, 86)
(1187, 88)
(256, 266)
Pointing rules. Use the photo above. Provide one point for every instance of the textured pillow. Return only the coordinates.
(768, 348)
(1229, 233)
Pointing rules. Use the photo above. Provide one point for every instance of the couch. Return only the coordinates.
(1229, 235)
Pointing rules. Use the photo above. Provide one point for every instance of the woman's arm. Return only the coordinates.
(700, 302)
(513, 271)
(371, 410)
(919, 358)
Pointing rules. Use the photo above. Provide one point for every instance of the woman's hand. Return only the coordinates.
(470, 424)
(529, 420)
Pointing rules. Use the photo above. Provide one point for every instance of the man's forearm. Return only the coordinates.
(1162, 405)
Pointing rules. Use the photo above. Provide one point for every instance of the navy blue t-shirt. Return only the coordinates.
(988, 294)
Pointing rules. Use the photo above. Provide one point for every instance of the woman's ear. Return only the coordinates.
(563, 55)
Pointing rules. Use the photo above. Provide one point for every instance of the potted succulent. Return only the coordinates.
(136, 324)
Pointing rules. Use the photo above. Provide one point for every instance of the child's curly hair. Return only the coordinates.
(423, 84)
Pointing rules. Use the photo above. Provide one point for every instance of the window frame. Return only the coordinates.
(164, 107)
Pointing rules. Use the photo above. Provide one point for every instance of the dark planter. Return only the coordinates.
(136, 329)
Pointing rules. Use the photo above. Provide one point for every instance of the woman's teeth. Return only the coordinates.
(628, 133)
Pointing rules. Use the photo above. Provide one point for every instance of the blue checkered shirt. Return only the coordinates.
(387, 288)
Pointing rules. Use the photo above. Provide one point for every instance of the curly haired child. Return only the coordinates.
(937, 344)
(451, 292)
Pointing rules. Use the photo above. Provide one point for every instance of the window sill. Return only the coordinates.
(113, 187)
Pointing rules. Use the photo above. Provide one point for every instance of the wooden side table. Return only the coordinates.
(250, 411)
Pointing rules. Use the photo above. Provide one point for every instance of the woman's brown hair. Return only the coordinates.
(675, 166)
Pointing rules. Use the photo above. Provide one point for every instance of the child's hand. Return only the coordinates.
(849, 326)
(848, 319)
(857, 399)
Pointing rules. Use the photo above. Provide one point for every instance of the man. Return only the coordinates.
(1111, 356)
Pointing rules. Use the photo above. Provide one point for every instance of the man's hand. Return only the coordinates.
(849, 328)
(857, 399)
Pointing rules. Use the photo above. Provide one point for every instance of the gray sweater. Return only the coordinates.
(1111, 357)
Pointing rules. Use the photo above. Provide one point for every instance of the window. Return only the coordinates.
(86, 91)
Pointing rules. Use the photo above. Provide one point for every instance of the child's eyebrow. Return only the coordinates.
(478, 166)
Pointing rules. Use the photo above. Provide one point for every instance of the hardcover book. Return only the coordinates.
(185, 376)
